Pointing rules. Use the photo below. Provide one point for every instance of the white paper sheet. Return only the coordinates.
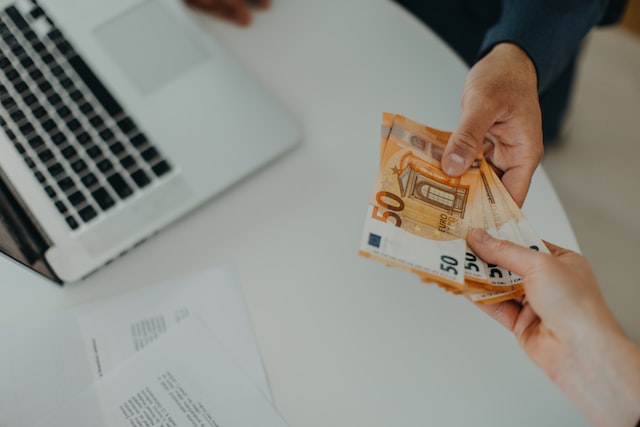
(45, 362)
(185, 378)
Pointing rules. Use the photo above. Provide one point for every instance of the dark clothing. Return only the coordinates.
(549, 31)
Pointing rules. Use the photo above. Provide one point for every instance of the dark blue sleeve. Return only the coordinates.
(549, 31)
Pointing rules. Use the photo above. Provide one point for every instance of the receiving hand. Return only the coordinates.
(500, 114)
(566, 328)
(236, 11)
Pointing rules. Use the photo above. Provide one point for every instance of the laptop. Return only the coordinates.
(117, 118)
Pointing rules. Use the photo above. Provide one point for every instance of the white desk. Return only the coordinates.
(346, 341)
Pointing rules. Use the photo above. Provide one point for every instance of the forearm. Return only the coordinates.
(603, 379)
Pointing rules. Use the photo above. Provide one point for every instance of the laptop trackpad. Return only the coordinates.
(149, 46)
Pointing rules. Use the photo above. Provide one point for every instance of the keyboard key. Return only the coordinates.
(46, 155)
(20, 86)
(103, 199)
(63, 111)
(30, 99)
(16, 17)
(39, 112)
(104, 165)
(29, 161)
(8, 103)
(45, 86)
(26, 129)
(26, 62)
(87, 213)
(74, 124)
(58, 71)
(37, 12)
(40, 177)
(48, 59)
(117, 148)
(77, 96)
(86, 108)
(126, 125)
(36, 74)
(62, 208)
(141, 179)
(149, 154)
(96, 121)
(55, 169)
(93, 83)
(71, 221)
(161, 168)
(54, 99)
(68, 152)
(58, 138)
(36, 142)
(84, 138)
(39, 47)
(76, 198)
(119, 185)
(17, 115)
(128, 162)
(50, 191)
(49, 125)
(55, 34)
(18, 51)
(79, 165)
(66, 184)
(94, 151)
(106, 134)
(64, 47)
(89, 180)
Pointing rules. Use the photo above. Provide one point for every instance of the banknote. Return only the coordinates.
(418, 218)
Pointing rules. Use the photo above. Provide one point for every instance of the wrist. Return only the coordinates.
(602, 377)
(517, 59)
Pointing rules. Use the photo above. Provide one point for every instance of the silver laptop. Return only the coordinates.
(118, 117)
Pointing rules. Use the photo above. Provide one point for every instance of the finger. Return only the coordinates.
(261, 4)
(515, 258)
(230, 10)
(555, 249)
(517, 182)
(467, 140)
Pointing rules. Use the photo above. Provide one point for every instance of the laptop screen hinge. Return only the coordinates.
(20, 236)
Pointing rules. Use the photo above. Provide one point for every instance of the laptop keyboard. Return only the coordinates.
(82, 147)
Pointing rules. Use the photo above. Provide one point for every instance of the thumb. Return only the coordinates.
(513, 257)
(465, 142)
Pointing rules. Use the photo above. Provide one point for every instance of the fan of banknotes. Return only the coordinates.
(418, 217)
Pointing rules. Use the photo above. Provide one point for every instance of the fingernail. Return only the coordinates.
(455, 165)
(480, 235)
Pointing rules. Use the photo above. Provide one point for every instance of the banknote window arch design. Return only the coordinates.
(421, 188)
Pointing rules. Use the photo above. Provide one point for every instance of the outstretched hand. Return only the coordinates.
(501, 115)
(566, 328)
(236, 11)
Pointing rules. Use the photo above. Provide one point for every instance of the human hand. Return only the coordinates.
(500, 114)
(565, 327)
(237, 11)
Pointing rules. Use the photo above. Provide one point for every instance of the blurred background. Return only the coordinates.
(595, 165)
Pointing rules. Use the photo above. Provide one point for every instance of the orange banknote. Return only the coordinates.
(418, 217)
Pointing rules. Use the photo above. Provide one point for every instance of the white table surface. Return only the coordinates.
(345, 341)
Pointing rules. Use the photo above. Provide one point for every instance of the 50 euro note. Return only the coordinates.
(418, 217)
